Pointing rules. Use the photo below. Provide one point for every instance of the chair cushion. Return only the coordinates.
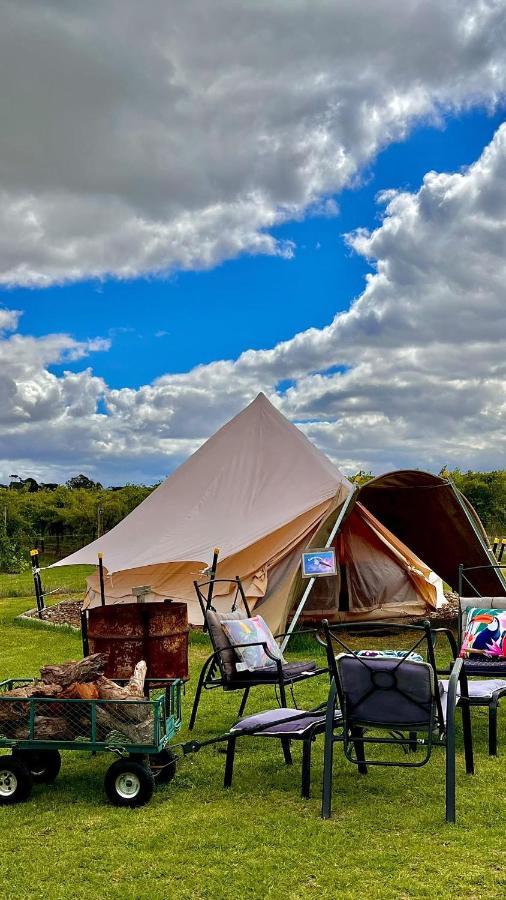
(480, 690)
(485, 666)
(387, 691)
(272, 723)
(220, 640)
(251, 631)
(485, 602)
(269, 673)
(485, 634)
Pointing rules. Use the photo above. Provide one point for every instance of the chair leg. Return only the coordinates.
(285, 743)
(229, 762)
(413, 746)
(492, 729)
(198, 692)
(450, 770)
(305, 790)
(328, 760)
(359, 749)
(468, 738)
(243, 702)
(282, 693)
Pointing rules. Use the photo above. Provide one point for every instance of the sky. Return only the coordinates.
(201, 202)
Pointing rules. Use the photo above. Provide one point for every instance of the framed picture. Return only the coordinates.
(316, 563)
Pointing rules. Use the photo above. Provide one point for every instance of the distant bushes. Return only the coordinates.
(486, 491)
(59, 519)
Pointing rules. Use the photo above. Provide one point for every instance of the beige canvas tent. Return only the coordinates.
(260, 491)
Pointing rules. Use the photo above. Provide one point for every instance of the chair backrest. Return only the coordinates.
(380, 692)
(221, 644)
(467, 603)
(386, 689)
(226, 658)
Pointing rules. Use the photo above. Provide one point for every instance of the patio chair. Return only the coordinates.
(220, 669)
(484, 691)
(387, 702)
(487, 667)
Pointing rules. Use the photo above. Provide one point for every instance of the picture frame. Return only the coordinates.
(319, 563)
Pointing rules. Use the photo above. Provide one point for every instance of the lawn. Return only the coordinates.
(387, 838)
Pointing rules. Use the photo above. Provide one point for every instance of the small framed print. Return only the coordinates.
(317, 563)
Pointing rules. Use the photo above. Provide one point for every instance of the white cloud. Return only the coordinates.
(138, 138)
(414, 374)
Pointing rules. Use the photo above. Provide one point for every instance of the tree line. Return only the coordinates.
(59, 519)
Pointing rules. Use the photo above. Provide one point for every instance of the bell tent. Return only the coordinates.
(263, 493)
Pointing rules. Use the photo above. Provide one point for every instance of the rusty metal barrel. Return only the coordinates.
(128, 632)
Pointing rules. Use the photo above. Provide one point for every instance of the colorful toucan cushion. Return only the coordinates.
(485, 634)
(251, 631)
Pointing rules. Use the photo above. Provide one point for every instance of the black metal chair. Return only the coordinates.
(393, 702)
(487, 684)
(219, 670)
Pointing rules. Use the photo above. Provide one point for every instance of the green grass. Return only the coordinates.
(67, 580)
(387, 838)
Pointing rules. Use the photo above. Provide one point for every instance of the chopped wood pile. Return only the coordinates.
(83, 680)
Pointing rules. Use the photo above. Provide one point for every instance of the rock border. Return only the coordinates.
(32, 616)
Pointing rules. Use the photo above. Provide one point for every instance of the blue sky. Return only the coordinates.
(170, 325)
(167, 141)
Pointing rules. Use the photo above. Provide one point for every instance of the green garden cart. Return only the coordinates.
(136, 732)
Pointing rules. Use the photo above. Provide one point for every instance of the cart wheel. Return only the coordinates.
(15, 781)
(43, 765)
(129, 783)
(163, 766)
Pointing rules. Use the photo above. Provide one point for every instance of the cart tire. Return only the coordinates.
(43, 765)
(15, 781)
(163, 766)
(129, 783)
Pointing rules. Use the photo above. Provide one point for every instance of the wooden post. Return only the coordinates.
(210, 590)
(84, 632)
(101, 578)
(212, 576)
(39, 594)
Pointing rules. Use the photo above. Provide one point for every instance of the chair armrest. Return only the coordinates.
(454, 647)
(457, 675)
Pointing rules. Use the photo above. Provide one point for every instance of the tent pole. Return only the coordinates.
(311, 581)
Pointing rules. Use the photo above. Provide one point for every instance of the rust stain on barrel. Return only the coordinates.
(128, 632)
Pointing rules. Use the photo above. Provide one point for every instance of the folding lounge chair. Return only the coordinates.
(386, 702)
(285, 725)
(219, 670)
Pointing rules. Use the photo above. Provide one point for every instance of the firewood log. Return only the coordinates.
(12, 711)
(132, 721)
(35, 689)
(84, 670)
(55, 728)
(109, 690)
(79, 691)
